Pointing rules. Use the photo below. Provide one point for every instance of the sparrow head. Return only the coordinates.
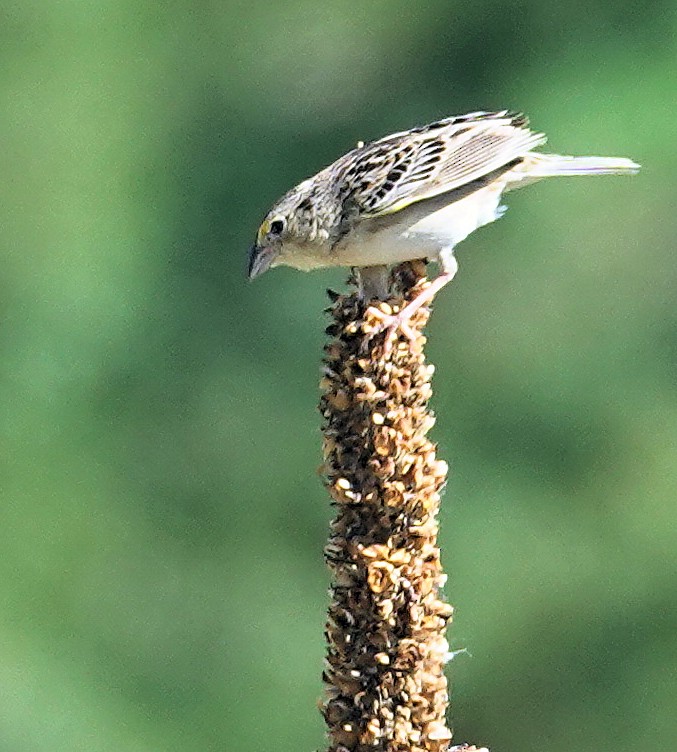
(292, 233)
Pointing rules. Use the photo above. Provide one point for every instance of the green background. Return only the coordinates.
(161, 523)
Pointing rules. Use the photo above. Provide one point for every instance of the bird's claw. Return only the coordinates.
(391, 325)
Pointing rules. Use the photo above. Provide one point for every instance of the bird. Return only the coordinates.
(411, 195)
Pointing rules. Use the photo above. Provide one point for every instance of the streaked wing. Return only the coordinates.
(388, 175)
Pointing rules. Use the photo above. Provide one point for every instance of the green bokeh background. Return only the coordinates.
(161, 523)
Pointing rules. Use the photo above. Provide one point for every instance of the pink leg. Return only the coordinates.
(401, 320)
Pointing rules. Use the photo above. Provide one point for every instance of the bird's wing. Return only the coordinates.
(398, 170)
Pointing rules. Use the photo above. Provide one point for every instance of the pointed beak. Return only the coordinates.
(260, 260)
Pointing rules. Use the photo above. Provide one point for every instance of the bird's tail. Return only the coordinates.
(535, 166)
(549, 165)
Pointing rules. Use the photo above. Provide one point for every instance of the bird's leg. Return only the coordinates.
(390, 323)
(449, 267)
(373, 282)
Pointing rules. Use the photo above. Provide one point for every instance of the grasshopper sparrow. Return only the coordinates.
(411, 195)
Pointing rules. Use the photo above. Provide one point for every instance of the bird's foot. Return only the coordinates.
(391, 325)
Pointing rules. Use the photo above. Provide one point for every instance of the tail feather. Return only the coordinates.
(547, 165)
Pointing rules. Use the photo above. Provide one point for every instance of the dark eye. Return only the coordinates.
(277, 227)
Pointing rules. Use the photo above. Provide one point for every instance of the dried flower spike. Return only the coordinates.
(385, 685)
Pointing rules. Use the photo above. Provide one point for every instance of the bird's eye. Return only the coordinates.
(277, 227)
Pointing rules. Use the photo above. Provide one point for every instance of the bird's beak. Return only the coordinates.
(260, 260)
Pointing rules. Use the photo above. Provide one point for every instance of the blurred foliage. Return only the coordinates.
(161, 575)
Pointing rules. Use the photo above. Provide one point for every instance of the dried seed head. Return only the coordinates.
(385, 628)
